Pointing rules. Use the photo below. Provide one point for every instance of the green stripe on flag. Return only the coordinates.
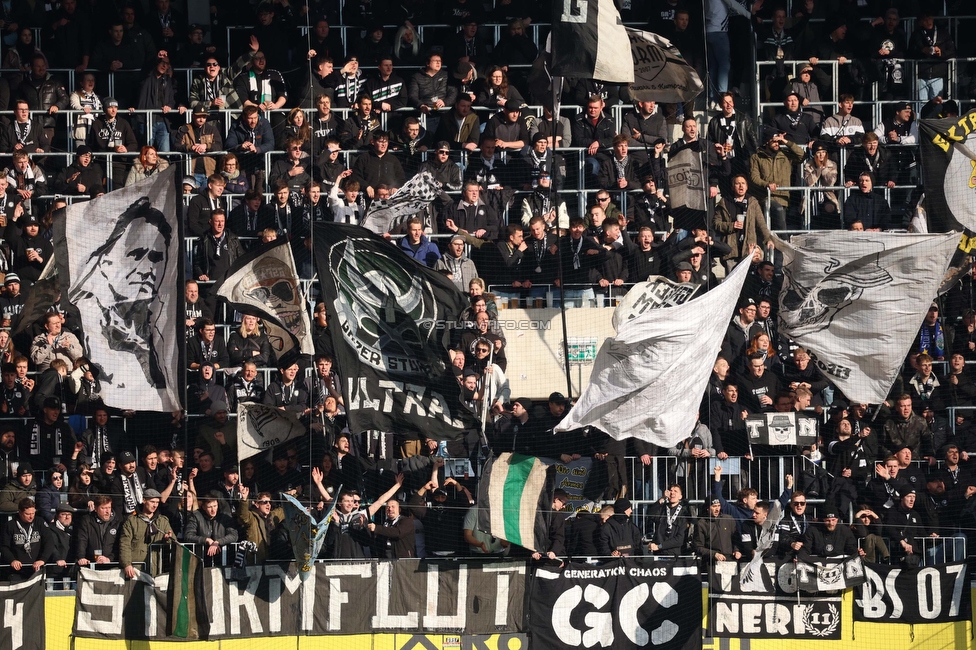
(519, 468)
(182, 626)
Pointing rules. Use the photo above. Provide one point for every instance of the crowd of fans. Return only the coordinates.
(324, 128)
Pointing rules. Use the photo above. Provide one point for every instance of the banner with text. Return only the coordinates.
(337, 598)
(623, 604)
(782, 600)
(935, 594)
(781, 429)
(22, 614)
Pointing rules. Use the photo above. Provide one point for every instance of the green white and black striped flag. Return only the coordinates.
(513, 499)
(183, 594)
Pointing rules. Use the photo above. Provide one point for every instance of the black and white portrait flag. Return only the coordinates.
(120, 263)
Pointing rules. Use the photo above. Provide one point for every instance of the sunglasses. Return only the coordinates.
(56, 477)
(213, 65)
(262, 503)
(606, 198)
(799, 503)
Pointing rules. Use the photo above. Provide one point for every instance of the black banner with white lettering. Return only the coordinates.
(390, 318)
(780, 599)
(627, 603)
(471, 597)
(935, 594)
(22, 614)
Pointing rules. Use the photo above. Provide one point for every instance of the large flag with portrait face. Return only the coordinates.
(390, 318)
(120, 263)
(590, 42)
(856, 300)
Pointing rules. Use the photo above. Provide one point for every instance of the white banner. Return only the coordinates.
(661, 74)
(654, 293)
(648, 381)
(118, 255)
(856, 300)
(261, 427)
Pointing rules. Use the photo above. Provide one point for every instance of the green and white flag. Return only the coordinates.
(183, 621)
(514, 499)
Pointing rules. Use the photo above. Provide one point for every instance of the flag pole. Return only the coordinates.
(485, 397)
(557, 84)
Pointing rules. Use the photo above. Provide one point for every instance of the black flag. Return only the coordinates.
(390, 319)
(590, 42)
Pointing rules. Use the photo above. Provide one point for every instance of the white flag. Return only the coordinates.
(261, 427)
(648, 381)
(661, 74)
(856, 300)
(119, 261)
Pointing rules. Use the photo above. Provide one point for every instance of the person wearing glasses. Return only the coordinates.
(261, 86)
(793, 527)
(295, 168)
(259, 522)
(49, 496)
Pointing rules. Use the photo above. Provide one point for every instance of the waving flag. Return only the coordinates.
(856, 300)
(590, 42)
(647, 382)
(120, 263)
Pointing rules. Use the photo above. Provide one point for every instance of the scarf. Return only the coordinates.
(218, 243)
(131, 492)
(932, 340)
(27, 537)
(264, 92)
(22, 130)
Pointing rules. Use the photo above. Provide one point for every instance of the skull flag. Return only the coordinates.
(390, 318)
(856, 300)
(264, 283)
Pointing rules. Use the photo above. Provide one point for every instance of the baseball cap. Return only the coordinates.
(52, 402)
(126, 457)
(557, 398)
(443, 145)
(111, 101)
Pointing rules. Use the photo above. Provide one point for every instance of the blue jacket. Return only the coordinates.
(427, 253)
(263, 139)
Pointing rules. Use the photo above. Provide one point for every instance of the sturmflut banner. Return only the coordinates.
(784, 599)
(119, 262)
(468, 597)
(624, 604)
(936, 594)
(22, 614)
(856, 300)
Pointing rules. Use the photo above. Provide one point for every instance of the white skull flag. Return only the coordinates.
(856, 300)
(264, 283)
